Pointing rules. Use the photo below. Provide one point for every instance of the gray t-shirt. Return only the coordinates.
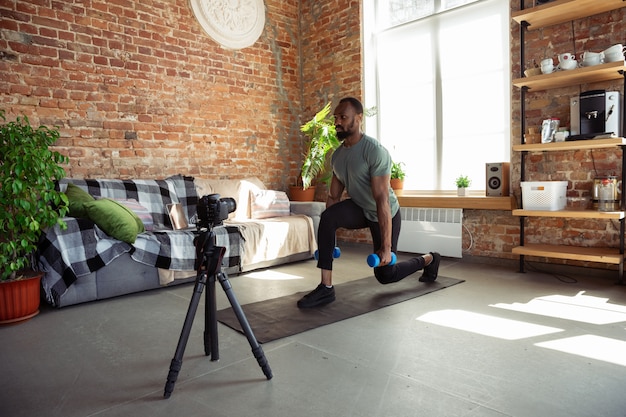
(355, 166)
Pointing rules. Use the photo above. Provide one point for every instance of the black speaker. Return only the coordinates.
(497, 179)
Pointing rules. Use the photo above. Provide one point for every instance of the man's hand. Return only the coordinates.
(334, 194)
(384, 255)
(380, 191)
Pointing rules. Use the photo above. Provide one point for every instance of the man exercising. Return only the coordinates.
(362, 167)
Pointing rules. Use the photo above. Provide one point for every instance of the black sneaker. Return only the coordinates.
(432, 269)
(318, 297)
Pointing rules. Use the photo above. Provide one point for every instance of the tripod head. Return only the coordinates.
(208, 256)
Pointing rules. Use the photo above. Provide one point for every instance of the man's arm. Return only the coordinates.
(380, 190)
(335, 192)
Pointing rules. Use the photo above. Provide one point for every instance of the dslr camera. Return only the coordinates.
(213, 210)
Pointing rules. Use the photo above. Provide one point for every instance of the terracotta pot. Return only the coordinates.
(397, 184)
(19, 300)
(296, 193)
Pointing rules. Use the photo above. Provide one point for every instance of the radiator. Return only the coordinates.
(431, 229)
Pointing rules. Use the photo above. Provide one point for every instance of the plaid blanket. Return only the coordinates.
(79, 250)
(175, 249)
(154, 195)
(84, 248)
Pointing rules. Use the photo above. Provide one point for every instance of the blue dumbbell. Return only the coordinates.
(373, 260)
(336, 253)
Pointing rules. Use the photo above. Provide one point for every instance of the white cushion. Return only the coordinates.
(268, 203)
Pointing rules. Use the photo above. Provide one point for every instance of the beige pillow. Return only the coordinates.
(239, 189)
(203, 186)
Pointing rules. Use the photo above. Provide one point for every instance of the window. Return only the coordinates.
(438, 72)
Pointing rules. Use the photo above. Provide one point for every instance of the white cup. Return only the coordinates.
(547, 69)
(593, 58)
(568, 64)
(617, 48)
(566, 57)
(613, 57)
(547, 61)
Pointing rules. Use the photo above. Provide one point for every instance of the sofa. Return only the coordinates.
(120, 236)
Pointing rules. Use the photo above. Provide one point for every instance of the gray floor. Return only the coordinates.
(500, 344)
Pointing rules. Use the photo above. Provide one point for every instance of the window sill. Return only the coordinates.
(475, 200)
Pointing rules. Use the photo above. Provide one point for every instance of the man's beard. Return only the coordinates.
(343, 134)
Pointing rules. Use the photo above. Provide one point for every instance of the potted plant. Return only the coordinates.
(397, 175)
(30, 203)
(322, 141)
(462, 183)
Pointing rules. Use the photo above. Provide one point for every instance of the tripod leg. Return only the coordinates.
(211, 341)
(257, 351)
(177, 361)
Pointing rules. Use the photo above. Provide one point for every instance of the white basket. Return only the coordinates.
(544, 195)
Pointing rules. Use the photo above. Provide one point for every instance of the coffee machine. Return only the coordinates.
(595, 114)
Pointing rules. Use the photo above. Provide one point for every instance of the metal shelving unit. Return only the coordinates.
(553, 13)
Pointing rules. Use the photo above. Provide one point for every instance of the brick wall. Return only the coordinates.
(332, 64)
(139, 90)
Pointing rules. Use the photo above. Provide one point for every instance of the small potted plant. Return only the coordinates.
(30, 203)
(322, 141)
(462, 183)
(397, 175)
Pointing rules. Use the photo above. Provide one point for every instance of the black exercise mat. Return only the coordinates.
(280, 317)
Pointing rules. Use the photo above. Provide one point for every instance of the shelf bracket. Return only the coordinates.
(522, 221)
(523, 27)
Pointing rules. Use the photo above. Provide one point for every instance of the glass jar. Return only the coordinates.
(606, 196)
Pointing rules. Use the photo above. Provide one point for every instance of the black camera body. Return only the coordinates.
(213, 210)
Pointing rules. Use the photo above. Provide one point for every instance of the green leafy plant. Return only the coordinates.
(30, 203)
(397, 170)
(322, 141)
(462, 181)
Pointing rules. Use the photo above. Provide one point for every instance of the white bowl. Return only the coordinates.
(568, 65)
(614, 58)
(591, 63)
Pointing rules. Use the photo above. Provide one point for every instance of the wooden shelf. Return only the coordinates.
(573, 145)
(442, 200)
(576, 214)
(558, 79)
(604, 255)
(561, 11)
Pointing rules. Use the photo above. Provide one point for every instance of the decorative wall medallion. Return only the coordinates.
(234, 24)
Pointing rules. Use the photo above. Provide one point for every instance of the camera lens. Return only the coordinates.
(229, 203)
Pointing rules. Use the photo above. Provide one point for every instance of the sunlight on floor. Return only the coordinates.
(590, 346)
(581, 308)
(272, 275)
(487, 325)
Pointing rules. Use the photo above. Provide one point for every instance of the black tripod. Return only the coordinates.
(208, 264)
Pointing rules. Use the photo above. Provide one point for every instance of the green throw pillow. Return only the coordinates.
(114, 219)
(77, 197)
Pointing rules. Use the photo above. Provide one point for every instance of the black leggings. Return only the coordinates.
(346, 214)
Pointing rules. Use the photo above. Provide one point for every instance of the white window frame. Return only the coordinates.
(475, 156)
